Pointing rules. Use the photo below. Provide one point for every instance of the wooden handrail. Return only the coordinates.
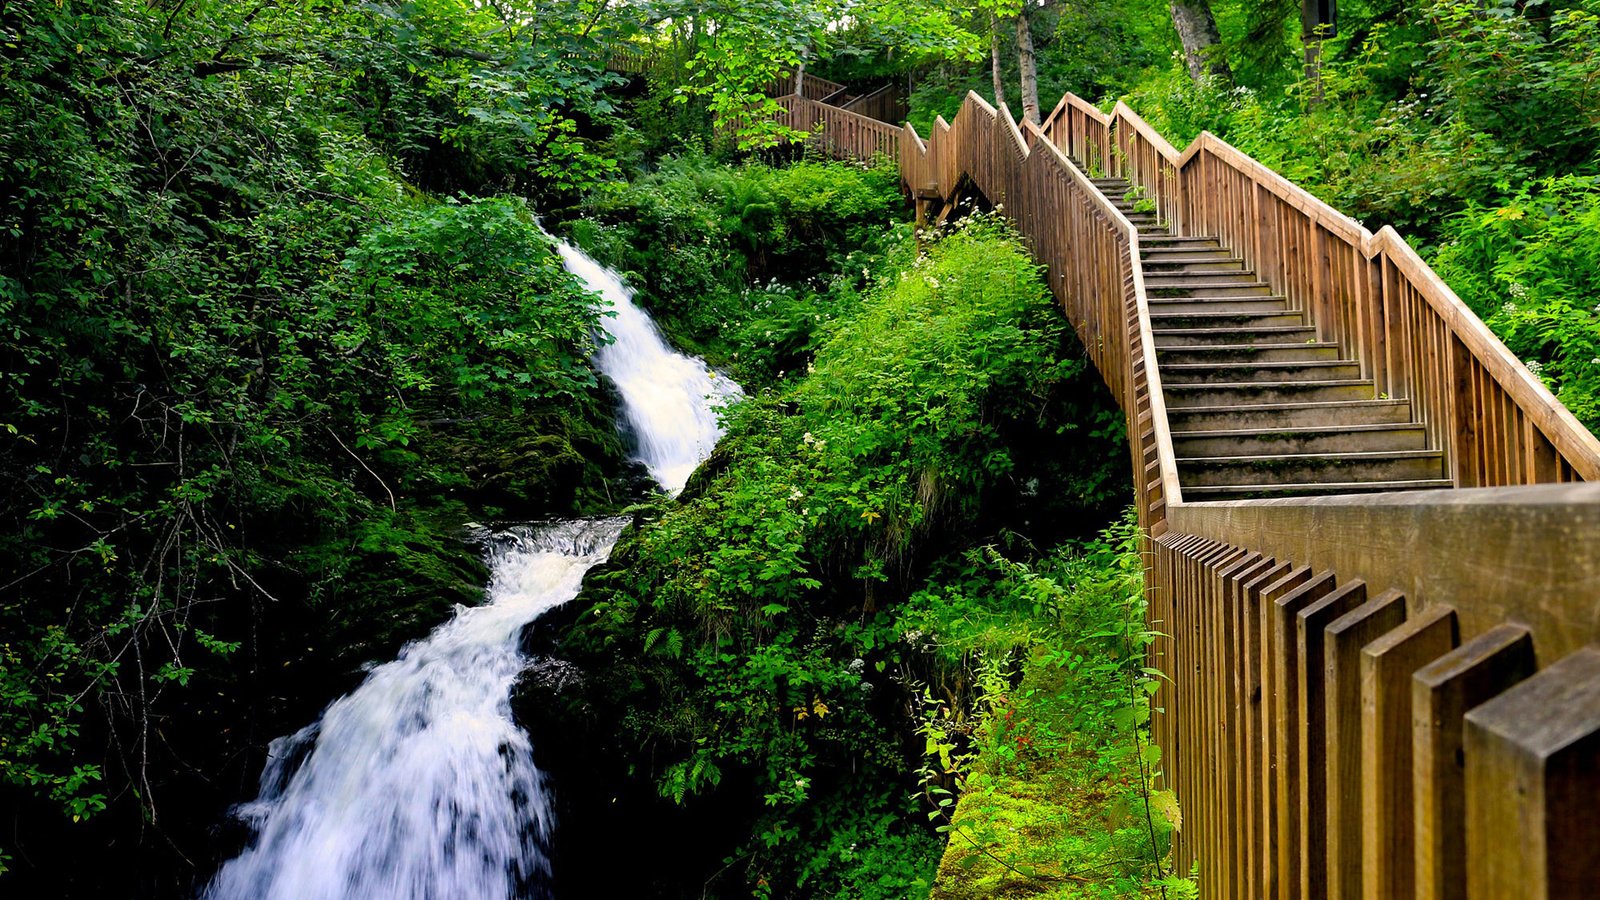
(839, 131)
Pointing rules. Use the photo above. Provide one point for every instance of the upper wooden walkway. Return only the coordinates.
(1374, 692)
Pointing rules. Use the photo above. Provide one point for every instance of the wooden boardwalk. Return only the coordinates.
(1373, 559)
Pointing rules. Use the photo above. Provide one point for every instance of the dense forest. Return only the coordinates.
(281, 323)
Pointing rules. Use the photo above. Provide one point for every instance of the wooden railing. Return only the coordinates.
(840, 132)
(812, 87)
(1371, 294)
(1090, 251)
(1370, 696)
(886, 104)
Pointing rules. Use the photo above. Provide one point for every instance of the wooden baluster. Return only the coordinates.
(1311, 638)
(1344, 639)
(1441, 693)
(1533, 778)
(1387, 665)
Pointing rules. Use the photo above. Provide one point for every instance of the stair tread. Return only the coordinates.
(1296, 430)
(1331, 487)
(1182, 280)
(1235, 348)
(1224, 299)
(1258, 385)
(1287, 458)
(1275, 364)
(1280, 407)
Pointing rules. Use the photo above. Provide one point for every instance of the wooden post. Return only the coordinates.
(1346, 637)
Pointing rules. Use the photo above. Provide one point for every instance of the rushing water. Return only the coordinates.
(664, 393)
(418, 784)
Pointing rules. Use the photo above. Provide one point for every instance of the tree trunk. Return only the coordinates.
(800, 75)
(1028, 67)
(1317, 24)
(994, 60)
(1202, 45)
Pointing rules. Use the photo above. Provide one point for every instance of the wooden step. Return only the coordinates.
(1249, 393)
(1312, 468)
(1168, 306)
(1178, 241)
(1181, 256)
(1189, 265)
(1327, 414)
(1254, 373)
(1167, 336)
(1279, 442)
(1175, 245)
(1203, 493)
(1171, 282)
(1220, 354)
(1216, 320)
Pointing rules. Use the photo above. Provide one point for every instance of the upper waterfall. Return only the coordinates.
(670, 400)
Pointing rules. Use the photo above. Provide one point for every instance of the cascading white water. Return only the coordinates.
(418, 784)
(664, 393)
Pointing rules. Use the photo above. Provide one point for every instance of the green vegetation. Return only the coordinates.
(277, 319)
(257, 371)
(757, 635)
(1048, 754)
(744, 265)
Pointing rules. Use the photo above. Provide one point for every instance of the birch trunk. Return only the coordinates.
(994, 60)
(1029, 68)
(1197, 29)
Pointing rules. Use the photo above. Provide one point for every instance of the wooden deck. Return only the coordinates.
(1375, 692)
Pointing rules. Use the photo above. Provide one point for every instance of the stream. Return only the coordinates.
(419, 784)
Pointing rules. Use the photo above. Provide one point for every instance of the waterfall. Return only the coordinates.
(418, 785)
(664, 393)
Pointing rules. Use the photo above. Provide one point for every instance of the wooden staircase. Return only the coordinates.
(1369, 691)
(1258, 405)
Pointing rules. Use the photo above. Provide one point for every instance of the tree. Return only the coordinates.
(996, 71)
(1027, 66)
(1202, 45)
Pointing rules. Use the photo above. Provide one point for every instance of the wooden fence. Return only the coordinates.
(1370, 696)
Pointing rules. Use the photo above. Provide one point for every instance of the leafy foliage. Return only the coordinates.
(753, 633)
(252, 379)
(1040, 766)
(745, 264)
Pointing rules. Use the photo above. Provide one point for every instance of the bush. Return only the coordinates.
(743, 259)
(750, 634)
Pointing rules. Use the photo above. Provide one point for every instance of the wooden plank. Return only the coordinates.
(1387, 665)
(1311, 712)
(1533, 779)
(1287, 739)
(1252, 723)
(1344, 639)
(1239, 706)
(1272, 801)
(1441, 693)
